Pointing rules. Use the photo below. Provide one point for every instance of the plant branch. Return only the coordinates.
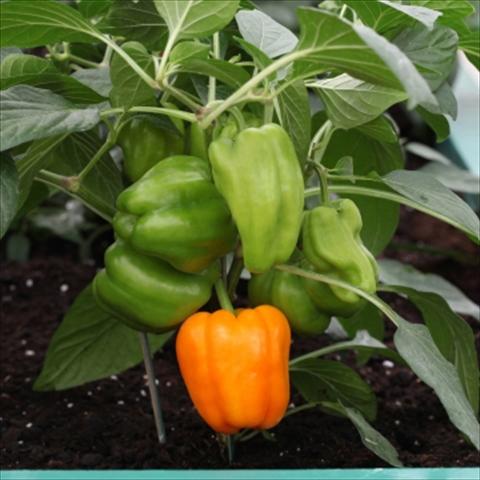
(234, 275)
(252, 83)
(222, 295)
(380, 304)
(212, 81)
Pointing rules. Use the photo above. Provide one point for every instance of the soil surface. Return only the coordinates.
(108, 423)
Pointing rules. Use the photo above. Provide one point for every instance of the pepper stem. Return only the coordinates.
(234, 275)
(237, 115)
(230, 448)
(222, 295)
(154, 396)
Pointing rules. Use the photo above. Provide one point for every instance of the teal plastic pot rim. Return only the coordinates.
(313, 474)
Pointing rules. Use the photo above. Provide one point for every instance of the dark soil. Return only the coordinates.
(108, 424)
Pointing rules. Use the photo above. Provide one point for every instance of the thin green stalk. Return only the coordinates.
(380, 304)
(181, 97)
(82, 61)
(319, 352)
(223, 297)
(252, 83)
(109, 143)
(237, 115)
(234, 275)
(189, 117)
(268, 112)
(212, 81)
(107, 56)
(130, 61)
(94, 203)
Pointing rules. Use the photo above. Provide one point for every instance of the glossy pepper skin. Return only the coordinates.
(175, 212)
(145, 143)
(147, 293)
(258, 174)
(332, 244)
(287, 292)
(235, 367)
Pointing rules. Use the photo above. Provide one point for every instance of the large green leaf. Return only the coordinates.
(196, 18)
(226, 72)
(399, 274)
(373, 439)
(326, 380)
(98, 79)
(429, 192)
(438, 123)
(8, 191)
(433, 52)
(90, 344)
(136, 20)
(295, 117)
(416, 346)
(33, 24)
(350, 102)
(453, 177)
(128, 88)
(262, 31)
(470, 44)
(384, 16)
(38, 72)
(328, 42)
(29, 113)
(453, 337)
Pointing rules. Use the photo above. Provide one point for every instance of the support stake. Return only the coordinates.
(154, 396)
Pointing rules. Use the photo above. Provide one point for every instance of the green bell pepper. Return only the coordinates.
(175, 212)
(144, 144)
(287, 292)
(258, 174)
(147, 293)
(332, 244)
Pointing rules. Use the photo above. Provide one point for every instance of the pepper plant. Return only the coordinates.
(216, 141)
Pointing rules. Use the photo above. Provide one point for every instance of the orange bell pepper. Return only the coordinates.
(235, 367)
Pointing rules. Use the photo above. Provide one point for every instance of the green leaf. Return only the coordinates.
(470, 44)
(34, 24)
(136, 21)
(261, 59)
(104, 182)
(403, 275)
(326, 380)
(8, 191)
(88, 345)
(184, 51)
(413, 83)
(36, 157)
(350, 102)
(433, 52)
(226, 72)
(262, 31)
(438, 123)
(416, 346)
(381, 129)
(426, 152)
(452, 177)
(7, 51)
(373, 439)
(447, 103)
(384, 16)
(40, 73)
(98, 79)
(453, 337)
(29, 113)
(369, 319)
(91, 9)
(295, 117)
(429, 192)
(452, 10)
(128, 89)
(196, 18)
(331, 42)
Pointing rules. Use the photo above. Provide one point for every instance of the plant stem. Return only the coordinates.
(82, 61)
(222, 295)
(109, 143)
(107, 56)
(189, 117)
(230, 448)
(234, 275)
(212, 81)
(253, 82)
(130, 61)
(154, 396)
(268, 112)
(181, 97)
(89, 199)
(237, 115)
